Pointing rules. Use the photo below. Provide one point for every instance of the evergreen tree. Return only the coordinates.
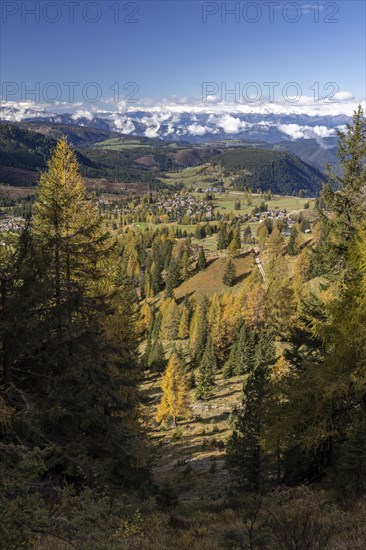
(342, 210)
(201, 263)
(222, 237)
(172, 280)
(292, 248)
(244, 453)
(230, 365)
(242, 355)
(247, 235)
(207, 371)
(229, 275)
(235, 243)
(181, 357)
(156, 327)
(156, 360)
(174, 402)
(156, 279)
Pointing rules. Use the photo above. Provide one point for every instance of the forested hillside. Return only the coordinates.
(272, 170)
(126, 159)
(186, 369)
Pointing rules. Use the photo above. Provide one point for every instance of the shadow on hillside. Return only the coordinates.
(213, 418)
(241, 277)
(181, 300)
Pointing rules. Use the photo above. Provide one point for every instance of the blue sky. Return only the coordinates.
(169, 50)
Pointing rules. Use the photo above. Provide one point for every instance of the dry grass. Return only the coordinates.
(209, 281)
(192, 455)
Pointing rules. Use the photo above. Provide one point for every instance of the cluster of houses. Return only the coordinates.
(183, 205)
(9, 223)
(274, 215)
(210, 190)
(270, 214)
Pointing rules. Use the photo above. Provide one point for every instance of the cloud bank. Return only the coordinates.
(192, 119)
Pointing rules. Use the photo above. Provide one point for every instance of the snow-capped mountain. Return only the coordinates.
(188, 123)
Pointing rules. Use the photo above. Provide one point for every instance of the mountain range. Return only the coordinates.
(190, 123)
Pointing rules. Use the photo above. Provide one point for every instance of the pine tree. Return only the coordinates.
(222, 237)
(242, 354)
(230, 365)
(229, 275)
(207, 372)
(202, 262)
(244, 453)
(174, 402)
(156, 279)
(342, 211)
(172, 280)
(292, 248)
(235, 243)
(247, 235)
(156, 361)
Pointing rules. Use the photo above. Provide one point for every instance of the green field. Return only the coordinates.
(144, 225)
(226, 202)
(195, 176)
(117, 144)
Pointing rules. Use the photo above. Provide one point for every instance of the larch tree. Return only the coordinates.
(183, 329)
(175, 400)
(83, 372)
(199, 330)
(170, 319)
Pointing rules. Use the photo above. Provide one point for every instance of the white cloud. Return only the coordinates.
(197, 129)
(83, 114)
(124, 125)
(295, 131)
(152, 131)
(231, 125)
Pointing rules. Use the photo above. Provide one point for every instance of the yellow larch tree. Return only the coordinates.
(175, 399)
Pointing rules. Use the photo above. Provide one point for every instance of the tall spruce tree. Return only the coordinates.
(207, 371)
(242, 354)
(342, 206)
(244, 452)
(229, 275)
(156, 360)
(201, 262)
(173, 278)
(292, 248)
